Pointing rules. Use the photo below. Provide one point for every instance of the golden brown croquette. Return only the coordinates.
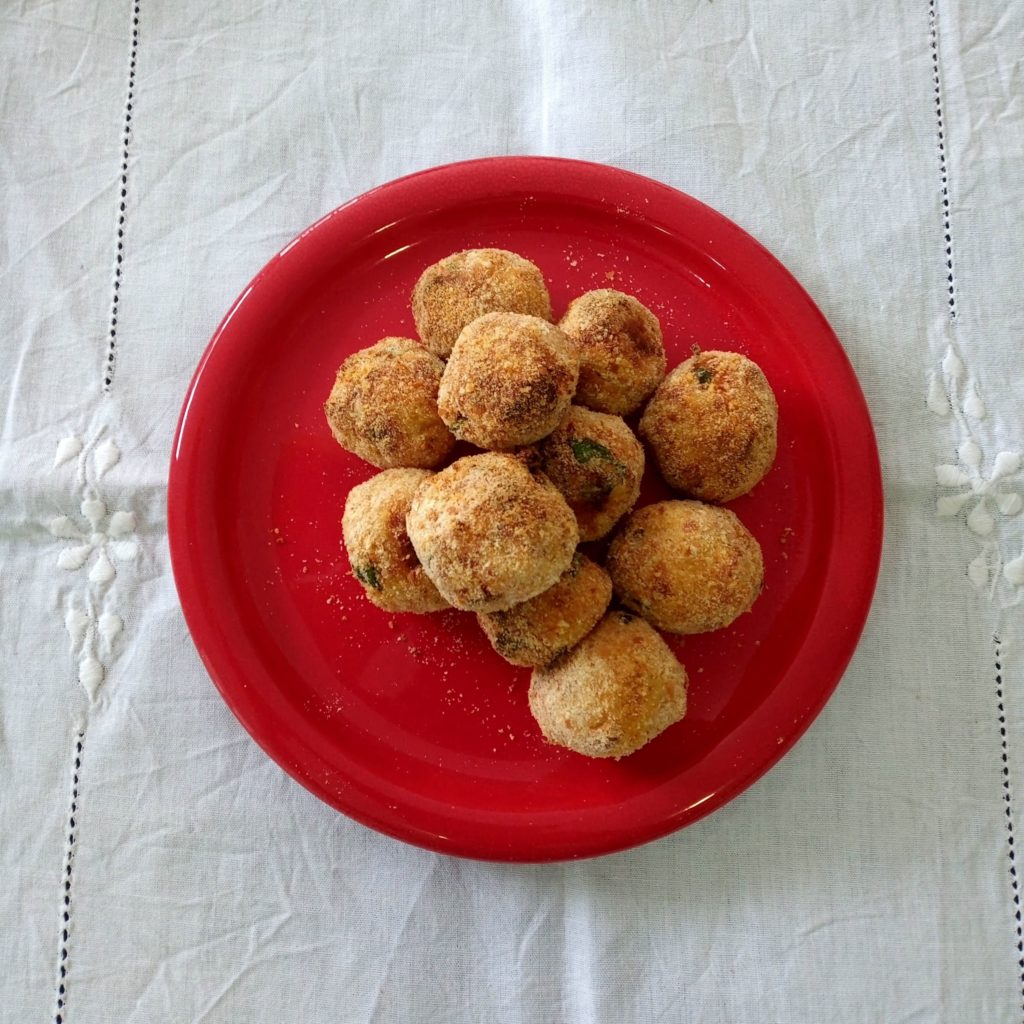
(545, 627)
(711, 426)
(380, 552)
(509, 381)
(597, 463)
(622, 357)
(491, 532)
(383, 406)
(685, 566)
(455, 291)
(613, 693)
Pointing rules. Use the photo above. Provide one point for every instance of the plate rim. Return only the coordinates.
(500, 173)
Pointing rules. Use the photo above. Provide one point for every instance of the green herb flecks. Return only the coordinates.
(585, 449)
(703, 374)
(604, 480)
(368, 575)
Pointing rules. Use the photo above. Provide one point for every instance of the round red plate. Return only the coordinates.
(412, 725)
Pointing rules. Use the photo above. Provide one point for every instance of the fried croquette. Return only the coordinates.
(622, 357)
(383, 406)
(711, 426)
(466, 285)
(382, 557)
(491, 532)
(542, 629)
(597, 463)
(509, 381)
(685, 566)
(613, 693)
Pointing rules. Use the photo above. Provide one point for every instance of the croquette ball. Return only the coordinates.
(686, 567)
(382, 557)
(545, 627)
(597, 463)
(454, 292)
(383, 406)
(491, 532)
(509, 381)
(711, 426)
(616, 691)
(622, 357)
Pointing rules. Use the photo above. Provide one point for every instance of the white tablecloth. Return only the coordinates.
(155, 865)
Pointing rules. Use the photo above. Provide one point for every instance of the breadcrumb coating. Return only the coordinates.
(383, 406)
(597, 463)
(455, 291)
(612, 694)
(491, 531)
(542, 629)
(509, 381)
(712, 426)
(622, 356)
(685, 566)
(378, 547)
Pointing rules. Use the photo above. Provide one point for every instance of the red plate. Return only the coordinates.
(412, 725)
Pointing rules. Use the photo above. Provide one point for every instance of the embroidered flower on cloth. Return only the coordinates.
(92, 636)
(97, 540)
(103, 538)
(985, 495)
(979, 490)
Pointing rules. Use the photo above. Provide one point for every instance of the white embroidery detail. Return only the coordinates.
(978, 569)
(987, 498)
(99, 539)
(937, 401)
(102, 538)
(1014, 571)
(107, 456)
(981, 488)
(973, 405)
(92, 642)
(67, 449)
(952, 365)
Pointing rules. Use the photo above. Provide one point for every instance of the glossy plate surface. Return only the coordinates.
(413, 725)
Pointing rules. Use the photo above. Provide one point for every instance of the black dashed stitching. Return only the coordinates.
(947, 227)
(69, 858)
(1008, 808)
(108, 371)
